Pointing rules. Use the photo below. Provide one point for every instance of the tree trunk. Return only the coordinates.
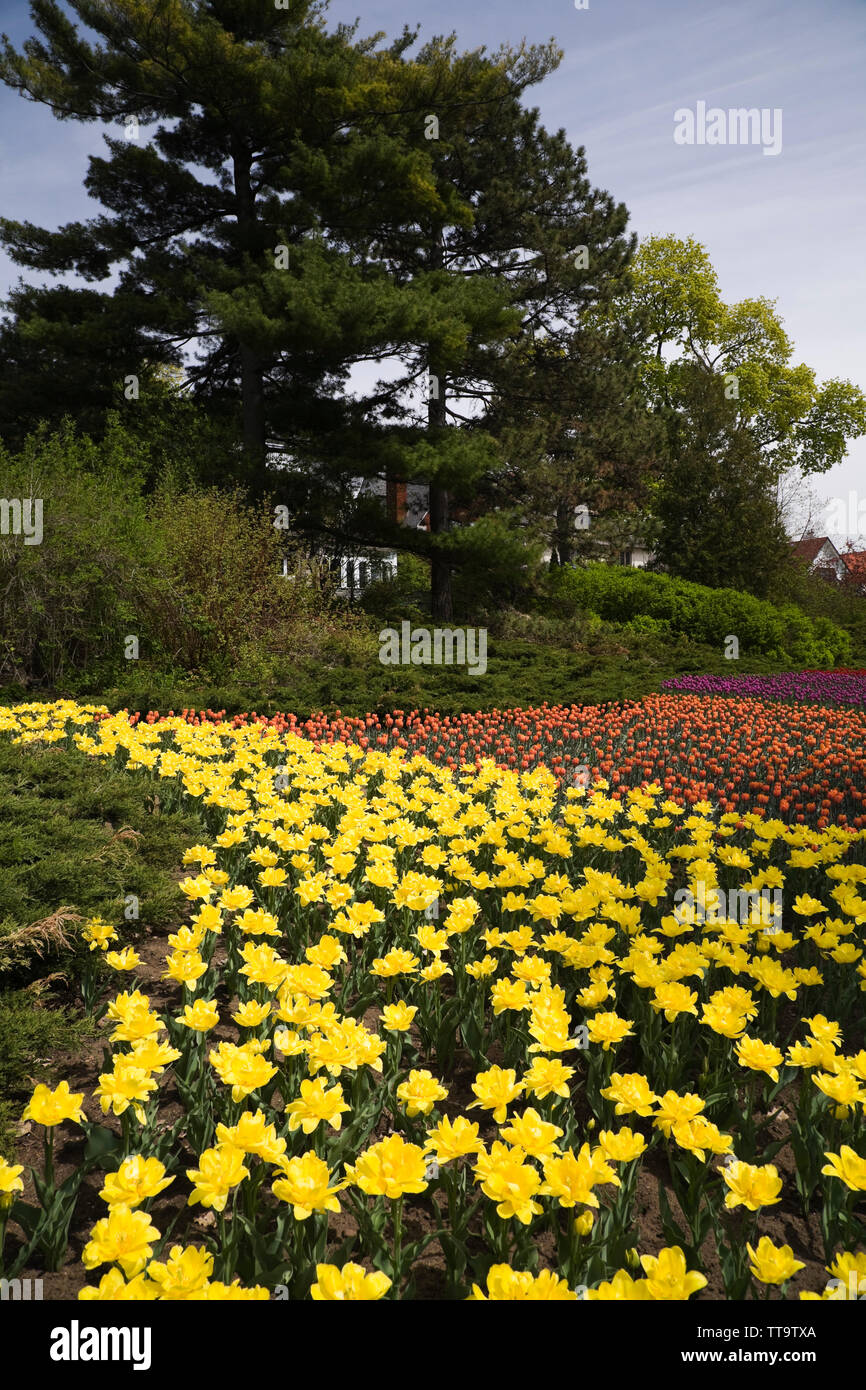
(252, 367)
(253, 404)
(441, 606)
(563, 540)
(440, 576)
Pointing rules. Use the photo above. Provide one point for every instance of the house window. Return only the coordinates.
(625, 557)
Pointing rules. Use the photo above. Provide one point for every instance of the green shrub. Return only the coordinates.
(632, 596)
(642, 622)
(193, 575)
(407, 595)
(217, 601)
(77, 834)
(842, 605)
(30, 1032)
(67, 603)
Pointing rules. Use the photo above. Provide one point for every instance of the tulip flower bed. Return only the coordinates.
(744, 754)
(839, 687)
(466, 1011)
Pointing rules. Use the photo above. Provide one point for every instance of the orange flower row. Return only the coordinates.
(786, 760)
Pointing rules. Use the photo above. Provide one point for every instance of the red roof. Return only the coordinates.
(810, 547)
(855, 561)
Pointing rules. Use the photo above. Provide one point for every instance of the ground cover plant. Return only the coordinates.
(531, 660)
(468, 1010)
(797, 762)
(76, 840)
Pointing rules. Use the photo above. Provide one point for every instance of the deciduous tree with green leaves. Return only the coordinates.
(738, 413)
(678, 316)
(715, 505)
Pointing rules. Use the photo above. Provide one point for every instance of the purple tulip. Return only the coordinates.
(841, 687)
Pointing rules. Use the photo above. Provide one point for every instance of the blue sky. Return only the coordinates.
(790, 227)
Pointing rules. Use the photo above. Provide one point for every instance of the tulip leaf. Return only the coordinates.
(102, 1145)
(27, 1217)
(772, 1149)
(671, 1228)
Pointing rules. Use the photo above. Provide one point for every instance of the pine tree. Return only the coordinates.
(69, 352)
(251, 144)
(577, 435)
(299, 203)
(716, 505)
(515, 244)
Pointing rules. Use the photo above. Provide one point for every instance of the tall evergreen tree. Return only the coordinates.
(267, 145)
(583, 452)
(716, 505)
(307, 203)
(515, 244)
